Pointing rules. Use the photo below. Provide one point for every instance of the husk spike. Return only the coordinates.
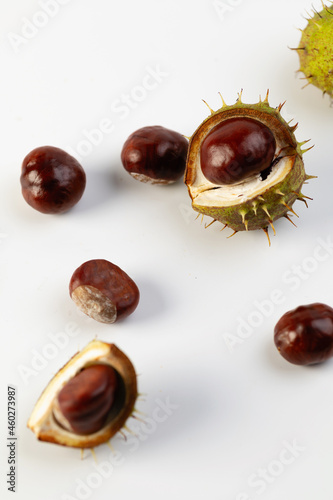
(265, 229)
(288, 218)
(211, 110)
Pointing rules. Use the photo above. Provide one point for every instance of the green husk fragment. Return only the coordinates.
(316, 51)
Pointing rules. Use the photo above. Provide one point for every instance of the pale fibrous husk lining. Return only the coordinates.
(253, 203)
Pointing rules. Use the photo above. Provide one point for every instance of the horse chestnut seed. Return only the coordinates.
(83, 404)
(52, 180)
(103, 291)
(236, 149)
(155, 155)
(304, 335)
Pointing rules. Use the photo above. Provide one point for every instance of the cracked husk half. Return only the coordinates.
(253, 203)
(42, 420)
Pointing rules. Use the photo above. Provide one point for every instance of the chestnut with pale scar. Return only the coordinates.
(103, 291)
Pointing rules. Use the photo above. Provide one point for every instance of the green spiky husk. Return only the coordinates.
(272, 203)
(316, 51)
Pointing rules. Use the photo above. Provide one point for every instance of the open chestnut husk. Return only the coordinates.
(89, 400)
(245, 166)
(304, 335)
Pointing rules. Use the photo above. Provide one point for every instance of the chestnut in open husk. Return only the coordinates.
(245, 167)
(84, 402)
(89, 400)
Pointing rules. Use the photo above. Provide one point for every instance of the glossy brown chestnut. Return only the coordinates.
(155, 154)
(236, 149)
(52, 180)
(304, 335)
(84, 402)
(103, 291)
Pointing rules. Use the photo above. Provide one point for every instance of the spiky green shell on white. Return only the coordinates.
(315, 50)
(254, 203)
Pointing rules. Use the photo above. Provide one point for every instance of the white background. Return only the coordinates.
(235, 408)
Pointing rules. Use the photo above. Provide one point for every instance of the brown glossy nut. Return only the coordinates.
(235, 149)
(52, 180)
(84, 402)
(155, 154)
(304, 335)
(103, 291)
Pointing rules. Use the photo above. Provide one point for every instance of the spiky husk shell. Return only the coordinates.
(42, 421)
(275, 199)
(316, 50)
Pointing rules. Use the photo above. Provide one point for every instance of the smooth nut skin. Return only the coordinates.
(103, 291)
(235, 150)
(304, 335)
(155, 154)
(86, 399)
(52, 180)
